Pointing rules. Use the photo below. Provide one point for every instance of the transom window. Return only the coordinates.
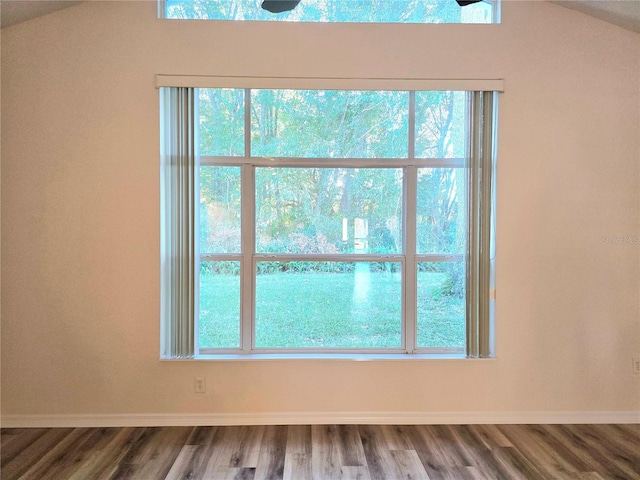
(353, 11)
(331, 221)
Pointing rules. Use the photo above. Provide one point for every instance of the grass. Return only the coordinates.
(441, 318)
(360, 309)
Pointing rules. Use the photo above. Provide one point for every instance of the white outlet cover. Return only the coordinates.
(200, 385)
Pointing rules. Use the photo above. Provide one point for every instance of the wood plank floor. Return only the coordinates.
(300, 452)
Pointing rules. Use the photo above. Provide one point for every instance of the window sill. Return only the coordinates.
(364, 357)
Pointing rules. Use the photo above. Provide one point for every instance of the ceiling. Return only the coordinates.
(17, 11)
(624, 13)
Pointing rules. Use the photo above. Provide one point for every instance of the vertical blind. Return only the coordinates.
(179, 197)
(479, 165)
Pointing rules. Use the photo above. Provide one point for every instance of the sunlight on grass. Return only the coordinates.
(441, 306)
(219, 305)
(355, 309)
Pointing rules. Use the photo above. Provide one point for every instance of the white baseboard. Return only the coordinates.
(318, 418)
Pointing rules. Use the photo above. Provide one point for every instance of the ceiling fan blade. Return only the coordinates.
(464, 3)
(279, 6)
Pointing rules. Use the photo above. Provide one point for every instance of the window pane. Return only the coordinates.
(220, 210)
(441, 305)
(374, 11)
(441, 211)
(221, 121)
(329, 124)
(440, 125)
(328, 305)
(329, 210)
(220, 304)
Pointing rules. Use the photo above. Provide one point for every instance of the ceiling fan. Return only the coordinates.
(279, 6)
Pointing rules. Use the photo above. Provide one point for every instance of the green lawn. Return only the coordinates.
(329, 310)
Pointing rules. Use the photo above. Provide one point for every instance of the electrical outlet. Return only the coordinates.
(635, 365)
(200, 385)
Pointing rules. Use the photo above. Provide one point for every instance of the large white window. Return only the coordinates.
(326, 221)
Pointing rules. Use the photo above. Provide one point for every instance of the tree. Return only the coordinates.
(302, 210)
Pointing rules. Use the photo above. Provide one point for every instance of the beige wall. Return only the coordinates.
(80, 213)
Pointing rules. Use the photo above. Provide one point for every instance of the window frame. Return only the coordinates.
(496, 17)
(409, 258)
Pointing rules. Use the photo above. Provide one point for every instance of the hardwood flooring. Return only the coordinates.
(301, 452)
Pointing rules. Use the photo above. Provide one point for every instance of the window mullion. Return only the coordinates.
(410, 231)
(410, 275)
(246, 288)
(299, 162)
(412, 126)
(247, 123)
